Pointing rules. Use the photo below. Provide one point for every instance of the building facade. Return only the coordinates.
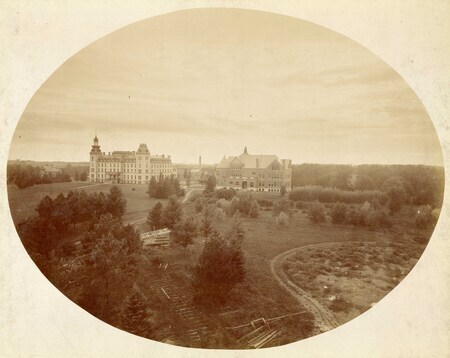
(254, 173)
(137, 167)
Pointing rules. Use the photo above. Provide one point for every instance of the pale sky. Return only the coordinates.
(208, 82)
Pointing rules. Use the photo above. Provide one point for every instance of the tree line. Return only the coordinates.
(28, 175)
(420, 184)
(163, 187)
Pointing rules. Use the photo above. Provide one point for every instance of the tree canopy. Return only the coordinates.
(220, 268)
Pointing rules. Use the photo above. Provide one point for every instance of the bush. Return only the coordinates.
(354, 217)
(316, 212)
(199, 204)
(227, 194)
(340, 305)
(301, 205)
(245, 205)
(223, 204)
(282, 219)
(219, 214)
(283, 205)
(338, 213)
(265, 203)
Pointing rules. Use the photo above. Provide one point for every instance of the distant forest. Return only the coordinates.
(25, 174)
(422, 184)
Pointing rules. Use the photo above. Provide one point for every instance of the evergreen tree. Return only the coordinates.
(134, 317)
(184, 232)
(115, 202)
(220, 268)
(152, 186)
(154, 217)
(206, 225)
(45, 208)
(210, 184)
(172, 212)
(199, 204)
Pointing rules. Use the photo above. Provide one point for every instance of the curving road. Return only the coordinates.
(325, 319)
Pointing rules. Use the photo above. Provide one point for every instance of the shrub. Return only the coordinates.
(340, 305)
(354, 217)
(227, 194)
(282, 219)
(244, 204)
(316, 212)
(223, 204)
(301, 205)
(265, 203)
(199, 204)
(338, 213)
(219, 214)
(283, 205)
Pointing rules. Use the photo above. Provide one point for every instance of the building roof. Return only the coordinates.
(245, 160)
(143, 149)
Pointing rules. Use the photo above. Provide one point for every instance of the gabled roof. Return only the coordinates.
(257, 161)
(224, 163)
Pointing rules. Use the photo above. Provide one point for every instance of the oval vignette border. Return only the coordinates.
(440, 132)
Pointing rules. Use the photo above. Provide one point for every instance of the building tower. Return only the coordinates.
(95, 154)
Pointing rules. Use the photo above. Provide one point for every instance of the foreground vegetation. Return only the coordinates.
(349, 278)
(220, 254)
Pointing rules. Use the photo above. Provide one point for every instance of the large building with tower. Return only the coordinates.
(254, 172)
(137, 167)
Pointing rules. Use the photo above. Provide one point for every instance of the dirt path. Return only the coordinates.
(189, 192)
(325, 319)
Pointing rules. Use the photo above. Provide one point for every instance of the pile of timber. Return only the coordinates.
(262, 333)
(154, 238)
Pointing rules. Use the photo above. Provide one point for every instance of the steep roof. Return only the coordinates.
(143, 149)
(255, 161)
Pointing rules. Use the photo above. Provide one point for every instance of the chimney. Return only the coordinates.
(257, 162)
(199, 160)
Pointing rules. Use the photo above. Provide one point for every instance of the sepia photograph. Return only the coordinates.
(225, 178)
